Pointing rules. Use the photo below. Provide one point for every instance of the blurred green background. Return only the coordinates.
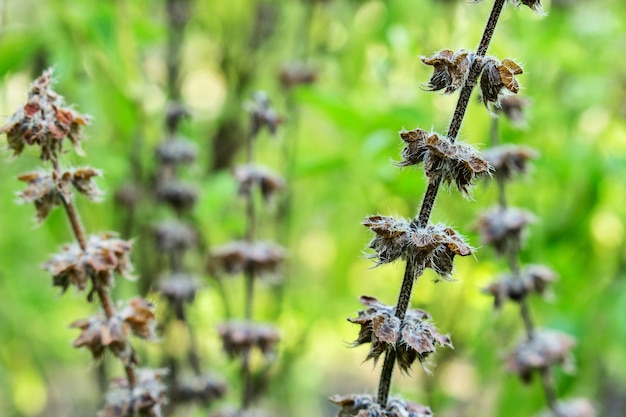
(337, 143)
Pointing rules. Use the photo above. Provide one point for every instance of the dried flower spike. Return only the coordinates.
(450, 70)
(44, 122)
(264, 258)
(263, 115)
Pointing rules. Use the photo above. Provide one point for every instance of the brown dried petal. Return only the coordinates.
(391, 240)
(497, 76)
(502, 228)
(42, 191)
(508, 160)
(139, 315)
(147, 399)
(252, 175)
(545, 349)
(363, 405)
(450, 70)
(535, 5)
(81, 180)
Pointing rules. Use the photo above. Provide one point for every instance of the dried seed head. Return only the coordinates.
(453, 162)
(413, 338)
(250, 175)
(146, 399)
(173, 235)
(433, 246)
(49, 189)
(104, 255)
(263, 258)
(532, 279)
(179, 288)
(513, 108)
(545, 349)
(575, 407)
(180, 195)
(363, 405)
(262, 114)
(239, 337)
(450, 70)
(496, 77)
(44, 121)
(296, 74)
(509, 160)
(502, 228)
(176, 151)
(203, 388)
(99, 332)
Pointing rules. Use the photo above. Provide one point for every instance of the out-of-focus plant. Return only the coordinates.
(91, 261)
(503, 227)
(254, 259)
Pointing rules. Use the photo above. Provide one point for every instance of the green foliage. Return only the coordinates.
(342, 132)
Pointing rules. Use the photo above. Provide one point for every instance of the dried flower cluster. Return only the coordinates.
(262, 258)
(414, 337)
(444, 160)
(44, 122)
(434, 246)
(366, 406)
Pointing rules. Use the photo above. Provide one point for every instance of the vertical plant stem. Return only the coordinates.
(428, 202)
(103, 294)
(547, 380)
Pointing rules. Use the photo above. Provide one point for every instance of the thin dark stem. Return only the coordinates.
(430, 196)
(474, 72)
(192, 352)
(404, 298)
(547, 380)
